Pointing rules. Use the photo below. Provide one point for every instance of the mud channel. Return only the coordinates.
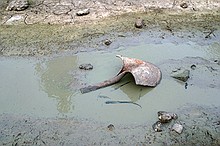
(40, 101)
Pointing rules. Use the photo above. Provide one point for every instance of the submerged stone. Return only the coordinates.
(86, 66)
(181, 74)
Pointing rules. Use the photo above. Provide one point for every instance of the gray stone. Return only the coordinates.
(184, 5)
(107, 42)
(139, 23)
(14, 19)
(217, 61)
(181, 74)
(193, 67)
(166, 117)
(86, 66)
(177, 128)
(17, 5)
(111, 127)
(83, 12)
(157, 127)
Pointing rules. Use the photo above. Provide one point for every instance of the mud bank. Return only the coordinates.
(41, 39)
(50, 27)
(27, 130)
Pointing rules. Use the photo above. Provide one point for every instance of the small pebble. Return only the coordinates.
(193, 66)
(86, 66)
(111, 127)
(166, 117)
(177, 128)
(107, 42)
(184, 5)
(83, 12)
(17, 5)
(157, 126)
(174, 116)
(186, 85)
(139, 23)
(217, 61)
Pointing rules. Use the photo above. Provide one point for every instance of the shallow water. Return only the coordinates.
(43, 88)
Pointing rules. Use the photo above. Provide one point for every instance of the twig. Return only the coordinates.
(211, 32)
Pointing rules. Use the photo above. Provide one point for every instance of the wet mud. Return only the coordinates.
(198, 122)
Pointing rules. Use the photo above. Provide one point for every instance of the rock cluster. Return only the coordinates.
(17, 5)
(164, 118)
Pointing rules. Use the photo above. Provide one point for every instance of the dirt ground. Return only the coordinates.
(162, 24)
(27, 130)
(51, 27)
(64, 11)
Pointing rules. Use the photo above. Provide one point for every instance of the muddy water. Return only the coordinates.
(50, 87)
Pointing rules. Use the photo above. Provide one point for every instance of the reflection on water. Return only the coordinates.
(128, 86)
(55, 78)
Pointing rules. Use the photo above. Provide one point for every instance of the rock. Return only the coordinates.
(107, 42)
(83, 12)
(157, 126)
(139, 23)
(181, 74)
(165, 117)
(184, 5)
(17, 5)
(111, 127)
(193, 67)
(217, 61)
(186, 85)
(86, 66)
(177, 128)
(14, 19)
